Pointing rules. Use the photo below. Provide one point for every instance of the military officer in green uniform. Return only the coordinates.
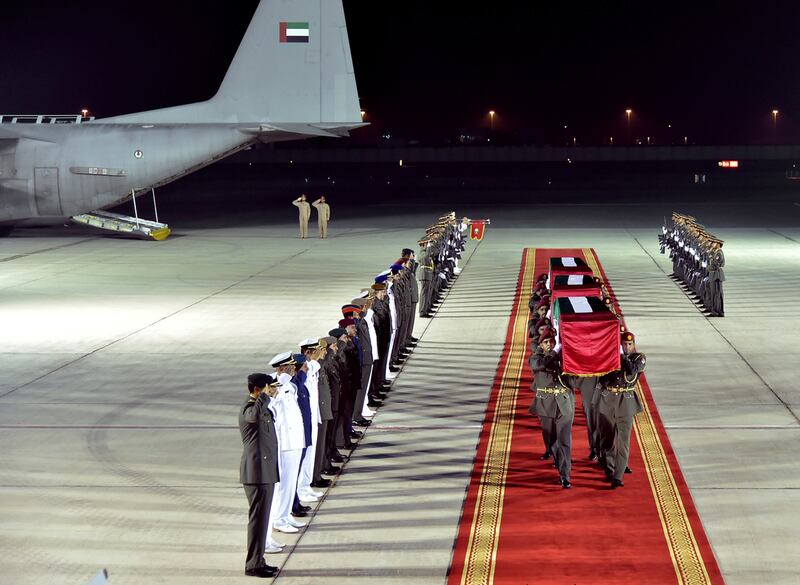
(554, 404)
(617, 404)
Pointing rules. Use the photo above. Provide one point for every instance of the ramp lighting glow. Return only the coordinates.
(728, 164)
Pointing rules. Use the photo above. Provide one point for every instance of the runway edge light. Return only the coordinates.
(729, 164)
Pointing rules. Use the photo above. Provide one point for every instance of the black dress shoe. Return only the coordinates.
(362, 422)
(322, 483)
(545, 455)
(338, 459)
(565, 484)
(299, 513)
(349, 446)
(374, 404)
(615, 483)
(264, 572)
(303, 508)
(394, 369)
(414, 339)
(592, 455)
(356, 434)
(331, 470)
(628, 470)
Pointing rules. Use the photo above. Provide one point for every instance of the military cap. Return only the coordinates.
(330, 340)
(542, 277)
(406, 252)
(545, 302)
(546, 334)
(360, 302)
(337, 333)
(628, 336)
(310, 343)
(381, 278)
(344, 323)
(361, 295)
(348, 310)
(378, 286)
(258, 380)
(395, 268)
(299, 358)
(542, 321)
(282, 359)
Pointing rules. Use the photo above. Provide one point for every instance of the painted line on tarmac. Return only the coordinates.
(784, 236)
(728, 341)
(18, 256)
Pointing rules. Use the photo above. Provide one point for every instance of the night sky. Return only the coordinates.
(431, 70)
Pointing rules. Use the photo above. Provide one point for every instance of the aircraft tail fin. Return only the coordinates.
(293, 66)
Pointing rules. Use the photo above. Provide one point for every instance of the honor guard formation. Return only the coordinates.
(296, 419)
(609, 398)
(697, 261)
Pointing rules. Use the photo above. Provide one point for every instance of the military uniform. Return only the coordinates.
(304, 214)
(258, 470)
(554, 404)
(323, 216)
(617, 404)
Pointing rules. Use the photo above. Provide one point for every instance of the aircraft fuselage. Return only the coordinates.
(97, 166)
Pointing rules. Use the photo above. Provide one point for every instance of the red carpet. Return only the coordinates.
(519, 527)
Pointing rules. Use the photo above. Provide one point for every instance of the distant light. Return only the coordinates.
(611, 140)
(669, 125)
(291, 162)
(85, 113)
(491, 112)
(629, 111)
(565, 126)
(401, 162)
(774, 112)
(729, 164)
(363, 114)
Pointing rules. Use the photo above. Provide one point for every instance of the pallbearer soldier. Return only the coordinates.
(323, 216)
(617, 405)
(258, 470)
(554, 405)
(304, 211)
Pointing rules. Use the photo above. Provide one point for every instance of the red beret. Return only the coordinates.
(628, 336)
(542, 276)
(546, 334)
(344, 323)
(542, 321)
(545, 302)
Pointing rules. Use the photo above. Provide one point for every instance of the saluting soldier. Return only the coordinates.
(554, 404)
(258, 471)
(323, 216)
(617, 405)
(304, 214)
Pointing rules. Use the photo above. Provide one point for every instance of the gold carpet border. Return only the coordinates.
(690, 569)
(479, 562)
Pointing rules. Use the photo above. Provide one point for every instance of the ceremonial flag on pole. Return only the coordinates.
(294, 32)
(476, 230)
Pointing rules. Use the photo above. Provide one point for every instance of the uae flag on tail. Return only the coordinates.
(589, 336)
(294, 32)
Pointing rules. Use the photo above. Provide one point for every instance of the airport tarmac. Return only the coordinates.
(123, 364)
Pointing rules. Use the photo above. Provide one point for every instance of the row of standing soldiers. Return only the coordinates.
(440, 251)
(697, 260)
(296, 420)
(610, 401)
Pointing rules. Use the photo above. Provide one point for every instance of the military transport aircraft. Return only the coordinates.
(291, 78)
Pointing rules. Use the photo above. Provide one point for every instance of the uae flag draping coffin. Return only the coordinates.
(574, 285)
(565, 266)
(589, 336)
